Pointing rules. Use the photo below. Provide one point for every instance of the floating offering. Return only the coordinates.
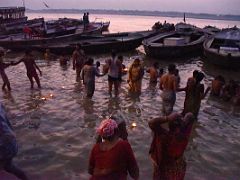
(134, 125)
(51, 95)
(43, 98)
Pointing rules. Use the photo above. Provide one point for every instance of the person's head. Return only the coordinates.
(195, 73)
(78, 46)
(136, 62)
(156, 65)
(90, 61)
(171, 68)
(84, 14)
(114, 54)
(161, 71)
(47, 50)
(87, 13)
(220, 78)
(108, 129)
(120, 58)
(176, 72)
(200, 77)
(28, 52)
(98, 64)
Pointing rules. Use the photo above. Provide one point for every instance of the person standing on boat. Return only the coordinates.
(84, 20)
(168, 85)
(31, 67)
(78, 57)
(3, 66)
(8, 147)
(113, 67)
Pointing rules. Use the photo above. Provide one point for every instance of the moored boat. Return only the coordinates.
(120, 42)
(19, 42)
(223, 48)
(174, 44)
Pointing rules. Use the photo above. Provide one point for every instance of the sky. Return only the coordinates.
(195, 6)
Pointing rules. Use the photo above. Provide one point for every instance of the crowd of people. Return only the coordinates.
(112, 156)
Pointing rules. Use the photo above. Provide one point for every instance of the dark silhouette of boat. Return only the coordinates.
(184, 41)
(120, 42)
(223, 48)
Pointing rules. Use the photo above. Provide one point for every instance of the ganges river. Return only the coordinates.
(55, 126)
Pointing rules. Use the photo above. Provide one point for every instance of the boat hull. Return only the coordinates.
(177, 51)
(223, 60)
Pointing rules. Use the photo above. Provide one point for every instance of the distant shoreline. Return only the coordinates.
(140, 13)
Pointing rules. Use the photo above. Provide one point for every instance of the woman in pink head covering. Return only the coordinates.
(113, 158)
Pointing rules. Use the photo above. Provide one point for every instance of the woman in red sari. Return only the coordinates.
(168, 147)
(113, 158)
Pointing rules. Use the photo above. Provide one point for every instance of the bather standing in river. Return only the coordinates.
(168, 146)
(135, 76)
(88, 74)
(3, 66)
(79, 58)
(31, 67)
(168, 85)
(195, 92)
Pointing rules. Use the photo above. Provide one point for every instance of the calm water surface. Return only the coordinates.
(55, 135)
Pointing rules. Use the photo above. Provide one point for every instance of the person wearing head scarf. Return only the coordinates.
(135, 75)
(3, 66)
(8, 147)
(168, 146)
(112, 158)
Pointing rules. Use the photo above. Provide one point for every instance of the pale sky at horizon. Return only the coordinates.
(195, 6)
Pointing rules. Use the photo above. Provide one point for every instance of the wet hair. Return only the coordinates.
(156, 64)
(98, 63)
(176, 72)
(200, 77)
(120, 57)
(113, 53)
(195, 73)
(161, 70)
(28, 51)
(79, 45)
(90, 61)
(171, 68)
(220, 78)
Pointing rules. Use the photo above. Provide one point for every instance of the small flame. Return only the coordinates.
(134, 124)
(43, 98)
(51, 95)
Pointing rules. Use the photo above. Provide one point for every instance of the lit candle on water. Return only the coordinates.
(134, 125)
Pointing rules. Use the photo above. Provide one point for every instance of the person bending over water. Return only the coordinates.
(79, 58)
(113, 158)
(8, 147)
(168, 146)
(31, 67)
(217, 86)
(168, 85)
(3, 66)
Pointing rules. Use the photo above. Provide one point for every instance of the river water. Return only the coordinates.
(55, 126)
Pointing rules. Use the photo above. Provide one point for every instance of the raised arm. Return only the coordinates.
(16, 63)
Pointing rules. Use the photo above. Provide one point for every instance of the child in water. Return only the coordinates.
(31, 67)
(2, 71)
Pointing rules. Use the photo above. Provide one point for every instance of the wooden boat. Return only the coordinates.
(120, 42)
(174, 44)
(18, 42)
(223, 48)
